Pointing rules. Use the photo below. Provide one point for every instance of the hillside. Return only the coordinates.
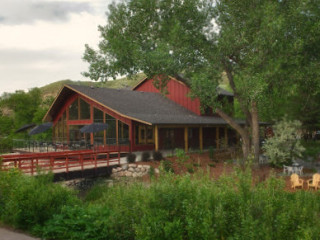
(52, 89)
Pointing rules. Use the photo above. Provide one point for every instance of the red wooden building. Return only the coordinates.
(142, 118)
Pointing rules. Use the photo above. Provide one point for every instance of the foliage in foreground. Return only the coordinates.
(28, 202)
(180, 207)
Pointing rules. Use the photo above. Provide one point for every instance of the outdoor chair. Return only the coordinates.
(296, 182)
(314, 182)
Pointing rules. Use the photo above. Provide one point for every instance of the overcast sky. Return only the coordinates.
(42, 41)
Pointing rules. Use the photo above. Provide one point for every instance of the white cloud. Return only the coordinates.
(81, 28)
(28, 11)
(37, 52)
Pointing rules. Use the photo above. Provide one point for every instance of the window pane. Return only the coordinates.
(149, 134)
(97, 115)
(111, 130)
(75, 134)
(85, 110)
(73, 110)
(123, 132)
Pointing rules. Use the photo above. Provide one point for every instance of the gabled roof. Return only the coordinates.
(146, 107)
(186, 81)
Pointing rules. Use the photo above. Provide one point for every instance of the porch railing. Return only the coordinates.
(38, 146)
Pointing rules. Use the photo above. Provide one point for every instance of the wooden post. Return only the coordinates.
(81, 161)
(201, 138)
(67, 164)
(117, 131)
(32, 171)
(105, 131)
(186, 138)
(51, 163)
(217, 138)
(156, 136)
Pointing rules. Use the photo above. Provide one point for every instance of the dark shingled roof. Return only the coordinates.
(147, 107)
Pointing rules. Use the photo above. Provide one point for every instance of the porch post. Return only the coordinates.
(105, 131)
(117, 131)
(156, 137)
(186, 137)
(200, 139)
(131, 134)
(217, 138)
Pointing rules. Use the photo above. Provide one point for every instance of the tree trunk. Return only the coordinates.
(255, 131)
(243, 133)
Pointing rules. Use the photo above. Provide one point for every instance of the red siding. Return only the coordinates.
(177, 92)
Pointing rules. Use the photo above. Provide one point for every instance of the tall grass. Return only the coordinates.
(186, 207)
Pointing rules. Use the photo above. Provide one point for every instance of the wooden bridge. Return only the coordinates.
(58, 162)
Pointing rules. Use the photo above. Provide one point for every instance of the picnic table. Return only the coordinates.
(294, 168)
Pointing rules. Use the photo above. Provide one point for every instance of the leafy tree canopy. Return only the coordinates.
(266, 49)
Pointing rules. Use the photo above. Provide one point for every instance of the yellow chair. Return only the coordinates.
(296, 181)
(314, 182)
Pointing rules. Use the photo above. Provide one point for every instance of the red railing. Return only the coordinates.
(60, 161)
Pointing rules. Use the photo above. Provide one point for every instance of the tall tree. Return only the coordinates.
(252, 41)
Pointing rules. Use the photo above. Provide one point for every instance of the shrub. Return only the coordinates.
(151, 171)
(167, 166)
(131, 158)
(27, 202)
(145, 156)
(157, 156)
(181, 155)
(285, 144)
(171, 207)
(212, 165)
(190, 168)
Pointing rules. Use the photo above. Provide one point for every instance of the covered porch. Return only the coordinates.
(194, 137)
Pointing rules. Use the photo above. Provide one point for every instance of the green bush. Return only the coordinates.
(145, 157)
(182, 157)
(30, 201)
(157, 156)
(131, 158)
(212, 165)
(151, 171)
(285, 145)
(170, 207)
(190, 168)
(167, 166)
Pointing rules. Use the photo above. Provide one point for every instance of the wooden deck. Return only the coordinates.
(57, 162)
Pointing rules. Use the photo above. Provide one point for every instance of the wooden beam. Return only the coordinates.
(186, 138)
(217, 138)
(201, 139)
(156, 137)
